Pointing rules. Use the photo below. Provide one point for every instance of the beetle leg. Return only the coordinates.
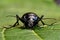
(41, 19)
(17, 22)
(42, 22)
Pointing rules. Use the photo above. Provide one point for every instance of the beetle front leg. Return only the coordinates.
(42, 22)
(41, 19)
(17, 22)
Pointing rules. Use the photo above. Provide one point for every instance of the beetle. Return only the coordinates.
(30, 20)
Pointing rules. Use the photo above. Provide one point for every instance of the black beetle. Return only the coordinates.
(30, 19)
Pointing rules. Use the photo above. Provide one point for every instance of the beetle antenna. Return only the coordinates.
(10, 16)
(51, 18)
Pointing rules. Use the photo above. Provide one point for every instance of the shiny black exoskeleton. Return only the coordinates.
(29, 19)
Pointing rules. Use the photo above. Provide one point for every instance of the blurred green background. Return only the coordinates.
(41, 7)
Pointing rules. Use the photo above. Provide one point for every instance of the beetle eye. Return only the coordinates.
(35, 18)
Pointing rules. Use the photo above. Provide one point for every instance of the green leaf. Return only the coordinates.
(19, 34)
(48, 8)
(49, 33)
(1, 34)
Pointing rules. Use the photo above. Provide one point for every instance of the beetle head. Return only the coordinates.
(31, 20)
